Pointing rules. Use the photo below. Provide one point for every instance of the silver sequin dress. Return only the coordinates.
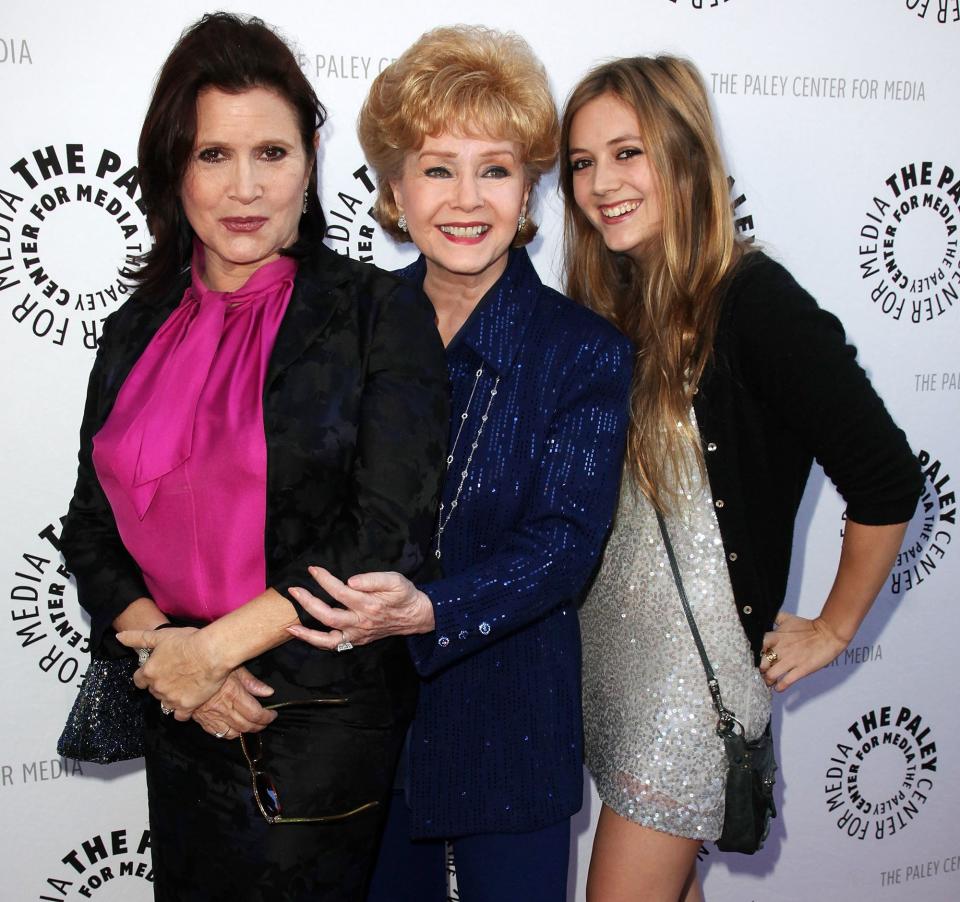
(648, 718)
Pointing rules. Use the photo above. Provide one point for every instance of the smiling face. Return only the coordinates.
(461, 197)
(243, 188)
(614, 184)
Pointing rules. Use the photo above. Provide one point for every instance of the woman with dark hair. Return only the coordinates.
(259, 405)
(741, 381)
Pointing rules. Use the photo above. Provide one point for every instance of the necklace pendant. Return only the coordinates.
(465, 472)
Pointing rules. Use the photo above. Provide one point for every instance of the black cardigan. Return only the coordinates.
(356, 415)
(784, 388)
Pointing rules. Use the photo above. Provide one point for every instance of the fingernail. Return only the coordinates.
(296, 592)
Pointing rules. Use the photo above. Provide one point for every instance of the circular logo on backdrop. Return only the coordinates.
(908, 243)
(880, 775)
(930, 532)
(351, 228)
(742, 217)
(102, 867)
(46, 620)
(940, 11)
(71, 228)
(700, 4)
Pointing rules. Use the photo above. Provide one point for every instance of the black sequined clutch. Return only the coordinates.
(106, 722)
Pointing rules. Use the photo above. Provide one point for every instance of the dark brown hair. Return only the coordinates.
(232, 54)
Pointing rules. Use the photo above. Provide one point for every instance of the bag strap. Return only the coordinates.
(727, 719)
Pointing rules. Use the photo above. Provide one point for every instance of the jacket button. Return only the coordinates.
(712, 446)
(719, 503)
(747, 609)
(732, 556)
(443, 641)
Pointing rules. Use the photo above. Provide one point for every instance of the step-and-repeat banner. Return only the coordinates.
(839, 121)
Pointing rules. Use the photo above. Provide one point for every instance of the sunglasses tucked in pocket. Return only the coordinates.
(316, 764)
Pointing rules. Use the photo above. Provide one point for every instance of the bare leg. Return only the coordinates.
(631, 863)
(692, 891)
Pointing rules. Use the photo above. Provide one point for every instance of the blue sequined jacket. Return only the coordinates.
(496, 743)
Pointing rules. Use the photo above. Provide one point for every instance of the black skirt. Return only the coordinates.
(210, 838)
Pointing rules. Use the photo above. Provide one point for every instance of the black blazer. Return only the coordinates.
(356, 417)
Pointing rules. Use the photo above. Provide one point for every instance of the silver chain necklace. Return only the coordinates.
(441, 520)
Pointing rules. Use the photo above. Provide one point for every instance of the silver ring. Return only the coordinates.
(345, 644)
(164, 709)
(143, 654)
(220, 734)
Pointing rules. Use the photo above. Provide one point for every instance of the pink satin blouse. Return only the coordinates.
(182, 456)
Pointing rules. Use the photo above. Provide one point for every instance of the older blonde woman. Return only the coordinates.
(459, 130)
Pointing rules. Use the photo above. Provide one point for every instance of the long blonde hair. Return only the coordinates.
(669, 304)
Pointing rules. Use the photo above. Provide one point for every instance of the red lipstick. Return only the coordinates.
(476, 232)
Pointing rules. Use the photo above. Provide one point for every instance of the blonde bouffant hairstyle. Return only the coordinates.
(669, 302)
(466, 80)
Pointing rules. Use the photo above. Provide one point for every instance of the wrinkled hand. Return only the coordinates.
(233, 709)
(802, 646)
(375, 605)
(178, 672)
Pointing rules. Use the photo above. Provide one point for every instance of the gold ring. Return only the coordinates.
(771, 656)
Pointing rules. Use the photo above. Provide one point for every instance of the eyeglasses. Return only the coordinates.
(264, 789)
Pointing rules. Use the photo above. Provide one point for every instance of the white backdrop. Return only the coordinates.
(839, 121)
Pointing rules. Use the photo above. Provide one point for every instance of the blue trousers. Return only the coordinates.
(491, 867)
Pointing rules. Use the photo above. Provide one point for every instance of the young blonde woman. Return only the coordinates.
(741, 381)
